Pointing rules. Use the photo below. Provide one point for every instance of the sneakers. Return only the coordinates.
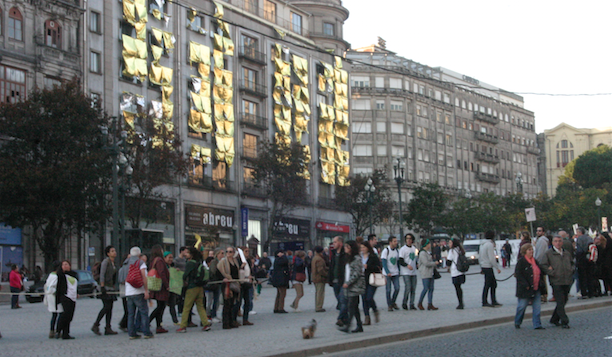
(216, 320)
(161, 330)
(148, 336)
(320, 310)
(182, 330)
(390, 308)
(395, 307)
(207, 327)
(135, 337)
(252, 312)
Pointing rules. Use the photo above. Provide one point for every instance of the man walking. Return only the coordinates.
(487, 263)
(319, 277)
(408, 271)
(558, 265)
(373, 240)
(137, 297)
(337, 263)
(541, 246)
(390, 263)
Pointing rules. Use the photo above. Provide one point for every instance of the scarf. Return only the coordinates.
(536, 272)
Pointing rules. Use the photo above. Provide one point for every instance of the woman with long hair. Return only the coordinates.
(280, 280)
(456, 250)
(525, 239)
(229, 267)
(49, 299)
(159, 264)
(298, 277)
(66, 294)
(605, 257)
(426, 268)
(529, 280)
(108, 278)
(354, 284)
(371, 264)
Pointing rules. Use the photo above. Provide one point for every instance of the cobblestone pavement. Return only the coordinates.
(25, 331)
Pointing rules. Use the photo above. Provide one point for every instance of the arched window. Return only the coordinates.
(564, 156)
(53, 34)
(15, 25)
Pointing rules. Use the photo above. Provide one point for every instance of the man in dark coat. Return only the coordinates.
(336, 278)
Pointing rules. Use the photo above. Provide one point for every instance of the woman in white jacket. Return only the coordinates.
(49, 299)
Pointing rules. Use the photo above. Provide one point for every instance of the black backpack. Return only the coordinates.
(462, 263)
(201, 275)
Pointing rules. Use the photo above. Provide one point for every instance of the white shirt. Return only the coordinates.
(130, 290)
(392, 257)
(409, 255)
(453, 255)
(71, 288)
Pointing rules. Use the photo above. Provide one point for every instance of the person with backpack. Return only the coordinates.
(105, 274)
(159, 269)
(194, 279)
(458, 266)
(137, 294)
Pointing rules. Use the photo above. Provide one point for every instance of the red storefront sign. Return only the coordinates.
(323, 226)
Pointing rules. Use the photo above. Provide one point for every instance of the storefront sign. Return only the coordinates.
(202, 217)
(334, 227)
(9, 235)
(245, 221)
(292, 228)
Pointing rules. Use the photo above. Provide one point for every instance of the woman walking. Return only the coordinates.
(108, 275)
(426, 269)
(354, 285)
(458, 277)
(175, 286)
(371, 264)
(194, 294)
(298, 277)
(228, 267)
(16, 284)
(49, 299)
(529, 280)
(525, 239)
(280, 280)
(159, 265)
(66, 294)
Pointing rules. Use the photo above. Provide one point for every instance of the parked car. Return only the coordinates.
(87, 285)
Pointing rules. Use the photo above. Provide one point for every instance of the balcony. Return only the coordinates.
(533, 150)
(249, 152)
(250, 189)
(254, 121)
(208, 183)
(253, 88)
(488, 178)
(326, 202)
(330, 37)
(487, 157)
(486, 137)
(252, 55)
(486, 117)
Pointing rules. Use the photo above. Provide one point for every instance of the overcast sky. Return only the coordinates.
(539, 46)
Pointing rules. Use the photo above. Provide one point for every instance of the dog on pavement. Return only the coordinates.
(309, 329)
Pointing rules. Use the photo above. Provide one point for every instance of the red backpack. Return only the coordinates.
(134, 276)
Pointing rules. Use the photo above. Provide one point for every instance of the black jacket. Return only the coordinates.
(373, 266)
(280, 274)
(62, 285)
(523, 272)
(332, 267)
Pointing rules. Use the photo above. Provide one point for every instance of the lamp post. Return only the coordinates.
(598, 204)
(519, 182)
(369, 190)
(398, 173)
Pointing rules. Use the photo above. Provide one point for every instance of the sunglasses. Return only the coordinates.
(229, 251)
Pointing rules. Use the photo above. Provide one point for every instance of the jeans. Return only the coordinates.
(15, 298)
(342, 302)
(396, 289)
(410, 282)
(428, 288)
(490, 284)
(138, 302)
(123, 323)
(215, 306)
(561, 294)
(522, 306)
(54, 320)
(247, 297)
(368, 299)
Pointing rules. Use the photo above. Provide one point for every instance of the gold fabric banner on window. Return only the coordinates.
(218, 42)
(168, 40)
(278, 111)
(166, 75)
(229, 46)
(141, 68)
(224, 28)
(155, 74)
(287, 101)
(204, 70)
(341, 130)
(322, 86)
(338, 62)
(280, 139)
(157, 52)
(284, 127)
(218, 76)
(129, 11)
(224, 127)
(141, 48)
(278, 80)
(129, 118)
(129, 47)
(299, 107)
(342, 117)
(301, 123)
(283, 67)
(206, 155)
(224, 112)
(218, 57)
(280, 32)
(141, 10)
(167, 92)
(191, 14)
(307, 155)
(196, 151)
(168, 108)
(222, 94)
(157, 36)
(141, 31)
(286, 113)
(341, 89)
(199, 122)
(276, 95)
(218, 10)
(195, 55)
(227, 78)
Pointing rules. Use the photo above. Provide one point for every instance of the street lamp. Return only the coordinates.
(598, 204)
(398, 172)
(519, 182)
(369, 190)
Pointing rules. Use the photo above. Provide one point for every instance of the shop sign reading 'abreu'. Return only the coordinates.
(201, 217)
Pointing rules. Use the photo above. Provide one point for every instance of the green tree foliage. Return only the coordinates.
(594, 168)
(427, 209)
(53, 170)
(353, 199)
(278, 172)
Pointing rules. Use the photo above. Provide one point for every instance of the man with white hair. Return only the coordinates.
(137, 294)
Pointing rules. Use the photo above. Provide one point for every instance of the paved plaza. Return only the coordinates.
(25, 331)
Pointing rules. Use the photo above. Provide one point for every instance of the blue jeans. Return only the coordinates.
(428, 288)
(138, 302)
(522, 306)
(215, 305)
(342, 302)
(410, 282)
(396, 289)
(247, 296)
(15, 298)
(368, 299)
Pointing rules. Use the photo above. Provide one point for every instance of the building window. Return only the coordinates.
(381, 150)
(95, 100)
(380, 105)
(397, 128)
(94, 22)
(250, 6)
(380, 82)
(362, 82)
(565, 153)
(12, 85)
(395, 83)
(296, 23)
(270, 11)
(249, 45)
(361, 104)
(381, 127)
(15, 25)
(52, 82)
(249, 146)
(361, 128)
(328, 29)
(219, 175)
(449, 140)
(397, 106)
(362, 150)
(249, 107)
(248, 174)
(53, 34)
(94, 62)
(250, 78)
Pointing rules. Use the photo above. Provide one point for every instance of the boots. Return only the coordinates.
(52, 334)
(96, 329)
(420, 306)
(109, 331)
(367, 321)
(376, 316)
(431, 307)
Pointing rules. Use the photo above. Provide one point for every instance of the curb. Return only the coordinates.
(411, 335)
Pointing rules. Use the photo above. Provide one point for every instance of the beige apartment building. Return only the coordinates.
(565, 143)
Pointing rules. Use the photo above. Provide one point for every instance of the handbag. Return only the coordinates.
(154, 282)
(377, 279)
(436, 274)
(234, 286)
(301, 277)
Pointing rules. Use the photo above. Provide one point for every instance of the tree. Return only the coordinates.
(54, 171)
(353, 199)
(594, 167)
(427, 208)
(461, 217)
(279, 171)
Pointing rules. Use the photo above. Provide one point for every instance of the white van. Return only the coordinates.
(472, 247)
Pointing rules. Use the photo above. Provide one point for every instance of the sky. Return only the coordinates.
(536, 46)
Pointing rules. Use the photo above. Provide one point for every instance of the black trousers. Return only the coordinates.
(353, 310)
(158, 313)
(124, 319)
(172, 302)
(585, 276)
(107, 310)
(63, 326)
(561, 293)
(489, 284)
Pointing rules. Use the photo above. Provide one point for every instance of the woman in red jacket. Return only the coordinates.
(16, 283)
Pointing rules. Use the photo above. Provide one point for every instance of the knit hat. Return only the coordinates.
(166, 253)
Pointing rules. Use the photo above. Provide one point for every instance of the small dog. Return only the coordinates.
(308, 331)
